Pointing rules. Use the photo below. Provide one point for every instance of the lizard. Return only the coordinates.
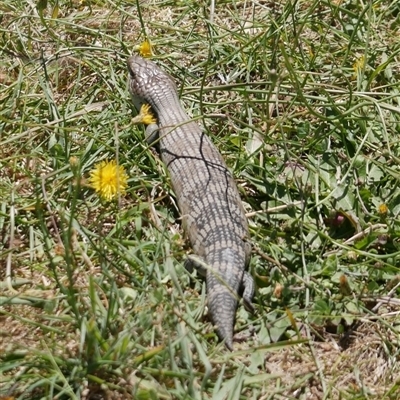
(208, 199)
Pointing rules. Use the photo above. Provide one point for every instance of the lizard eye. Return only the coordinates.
(131, 74)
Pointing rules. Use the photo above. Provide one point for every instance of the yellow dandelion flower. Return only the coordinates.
(383, 209)
(145, 49)
(145, 116)
(108, 179)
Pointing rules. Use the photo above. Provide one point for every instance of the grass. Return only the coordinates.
(302, 99)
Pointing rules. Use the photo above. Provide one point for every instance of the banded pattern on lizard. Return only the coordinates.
(208, 198)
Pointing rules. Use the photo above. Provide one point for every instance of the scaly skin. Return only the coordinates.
(208, 199)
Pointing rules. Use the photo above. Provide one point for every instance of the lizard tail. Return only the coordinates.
(222, 305)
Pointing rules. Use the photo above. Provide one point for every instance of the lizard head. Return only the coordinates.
(147, 82)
